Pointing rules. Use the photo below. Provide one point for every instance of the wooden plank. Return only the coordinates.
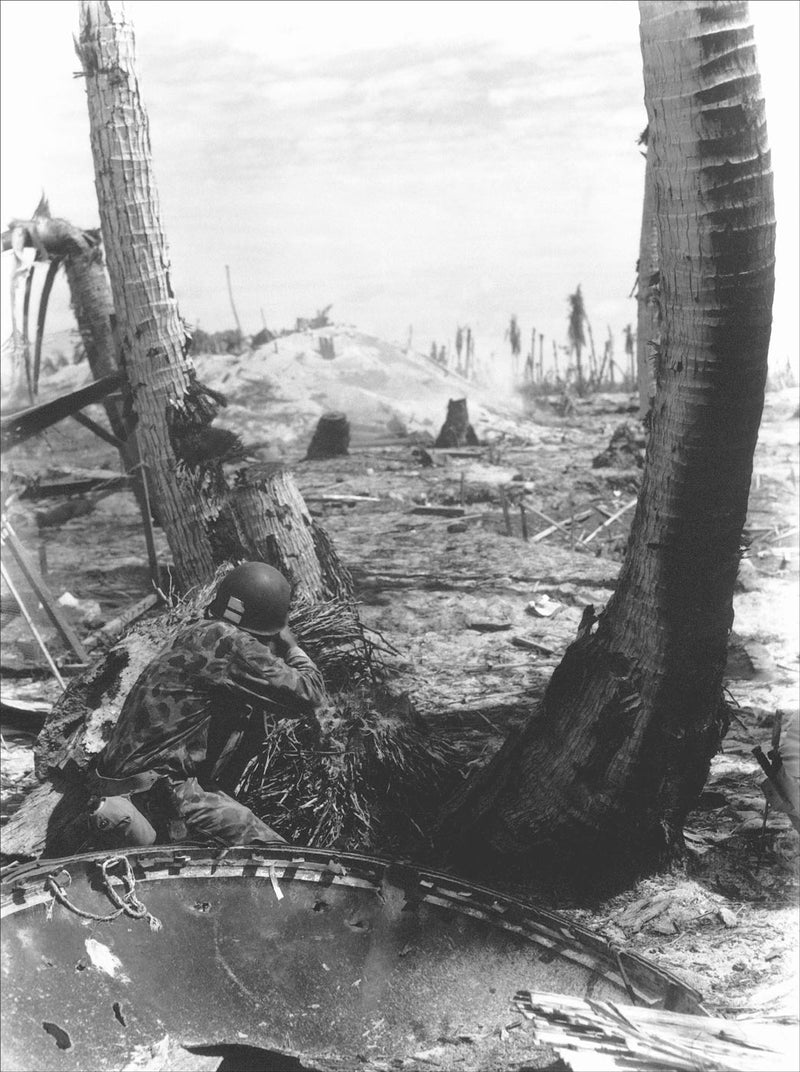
(76, 486)
(111, 630)
(17, 427)
(439, 511)
(609, 521)
(98, 429)
(345, 499)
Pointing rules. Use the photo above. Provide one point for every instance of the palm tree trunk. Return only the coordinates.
(647, 290)
(616, 754)
(90, 293)
(153, 342)
(266, 519)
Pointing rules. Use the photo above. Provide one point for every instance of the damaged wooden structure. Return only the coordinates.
(16, 428)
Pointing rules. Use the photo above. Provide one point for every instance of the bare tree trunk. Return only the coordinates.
(233, 305)
(648, 329)
(94, 311)
(266, 519)
(613, 759)
(153, 343)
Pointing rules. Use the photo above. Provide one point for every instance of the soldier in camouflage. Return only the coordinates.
(159, 773)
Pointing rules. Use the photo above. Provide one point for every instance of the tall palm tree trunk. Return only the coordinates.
(616, 754)
(153, 342)
(90, 293)
(647, 289)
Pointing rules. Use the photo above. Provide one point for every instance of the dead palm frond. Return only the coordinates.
(370, 777)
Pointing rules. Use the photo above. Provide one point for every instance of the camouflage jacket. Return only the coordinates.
(195, 694)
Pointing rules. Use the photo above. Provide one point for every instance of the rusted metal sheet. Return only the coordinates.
(339, 961)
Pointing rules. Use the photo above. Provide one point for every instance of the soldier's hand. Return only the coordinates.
(286, 640)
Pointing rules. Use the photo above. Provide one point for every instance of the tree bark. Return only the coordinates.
(93, 306)
(153, 343)
(266, 519)
(614, 758)
(648, 339)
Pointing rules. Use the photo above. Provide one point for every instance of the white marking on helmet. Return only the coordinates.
(234, 610)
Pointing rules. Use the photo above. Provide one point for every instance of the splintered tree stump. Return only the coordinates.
(331, 437)
(265, 518)
(456, 430)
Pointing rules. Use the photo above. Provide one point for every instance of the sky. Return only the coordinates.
(414, 164)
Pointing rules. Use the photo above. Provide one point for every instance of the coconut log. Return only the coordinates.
(456, 430)
(264, 518)
(331, 437)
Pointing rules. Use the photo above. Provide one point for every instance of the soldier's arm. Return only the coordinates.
(291, 681)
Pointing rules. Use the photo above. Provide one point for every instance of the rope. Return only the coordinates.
(128, 903)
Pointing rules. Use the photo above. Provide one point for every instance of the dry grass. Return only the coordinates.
(369, 776)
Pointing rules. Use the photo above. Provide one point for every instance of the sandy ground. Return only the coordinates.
(726, 921)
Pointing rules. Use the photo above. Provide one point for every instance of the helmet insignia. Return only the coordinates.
(234, 610)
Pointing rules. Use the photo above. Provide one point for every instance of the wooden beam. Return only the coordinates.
(98, 429)
(17, 427)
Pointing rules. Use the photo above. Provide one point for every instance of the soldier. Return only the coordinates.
(159, 774)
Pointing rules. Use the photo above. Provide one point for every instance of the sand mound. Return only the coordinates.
(277, 393)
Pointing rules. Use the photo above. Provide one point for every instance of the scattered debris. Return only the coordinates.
(625, 449)
(85, 611)
(590, 1035)
(439, 511)
(543, 606)
(66, 511)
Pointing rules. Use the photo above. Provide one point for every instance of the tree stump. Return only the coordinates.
(331, 437)
(456, 430)
(265, 518)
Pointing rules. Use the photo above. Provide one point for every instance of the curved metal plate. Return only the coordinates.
(341, 961)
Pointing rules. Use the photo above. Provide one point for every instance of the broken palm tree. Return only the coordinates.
(331, 437)
(457, 430)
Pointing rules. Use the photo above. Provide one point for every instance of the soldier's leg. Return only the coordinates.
(213, 815)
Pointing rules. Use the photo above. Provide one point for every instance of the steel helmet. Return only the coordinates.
(253, 596)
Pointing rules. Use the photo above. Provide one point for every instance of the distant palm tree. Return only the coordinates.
(575, 334)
